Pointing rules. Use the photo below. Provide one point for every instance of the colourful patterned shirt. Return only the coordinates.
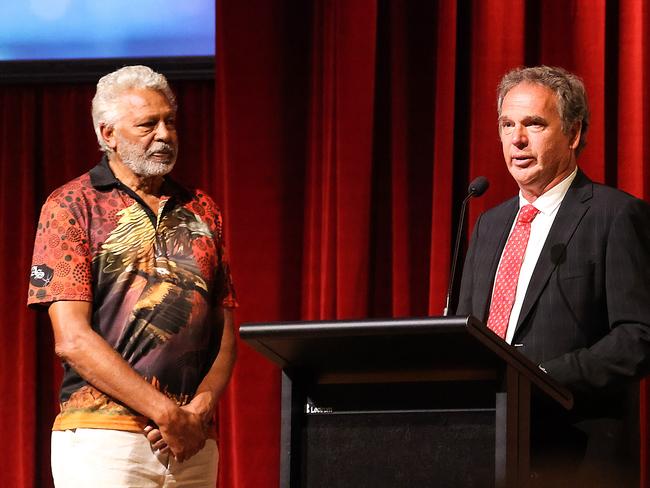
(153, 281)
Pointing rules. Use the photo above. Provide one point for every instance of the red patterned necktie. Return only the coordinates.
(505, 287)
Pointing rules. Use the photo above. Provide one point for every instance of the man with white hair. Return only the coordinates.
(132, 269)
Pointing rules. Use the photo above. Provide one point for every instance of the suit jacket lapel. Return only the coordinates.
(574, 205)
(497, 233)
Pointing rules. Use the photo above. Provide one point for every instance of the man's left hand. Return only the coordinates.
(197, 406)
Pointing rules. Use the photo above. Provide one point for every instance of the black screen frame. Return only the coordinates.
(90, 70)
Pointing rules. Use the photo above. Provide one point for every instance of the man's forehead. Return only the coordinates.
(529, 99)
(144, 99)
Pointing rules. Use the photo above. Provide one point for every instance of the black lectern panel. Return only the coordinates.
(398, 435)
(399, 449)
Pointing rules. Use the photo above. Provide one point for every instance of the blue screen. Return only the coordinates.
(87, 29)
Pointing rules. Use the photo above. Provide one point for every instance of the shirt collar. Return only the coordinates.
(549, 201)
(103, 178)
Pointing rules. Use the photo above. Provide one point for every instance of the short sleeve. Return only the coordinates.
(61, 262)
(223, 283)
(224, 288)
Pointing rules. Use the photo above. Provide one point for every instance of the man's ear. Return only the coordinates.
(108, 134)
(576, 132)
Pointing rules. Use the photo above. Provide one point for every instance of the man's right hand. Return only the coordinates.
(183, 432)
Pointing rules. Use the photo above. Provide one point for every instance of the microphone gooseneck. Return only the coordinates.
(477, 187)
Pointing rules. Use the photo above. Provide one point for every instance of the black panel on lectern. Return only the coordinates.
(399, 450)
(399, 435)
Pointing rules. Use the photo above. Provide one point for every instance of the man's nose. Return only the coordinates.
(163, 133)
(519, 136)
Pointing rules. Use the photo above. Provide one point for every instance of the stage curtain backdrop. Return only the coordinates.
(338, 138)
(347, 134)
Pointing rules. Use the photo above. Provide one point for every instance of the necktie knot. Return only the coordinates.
(527, 214)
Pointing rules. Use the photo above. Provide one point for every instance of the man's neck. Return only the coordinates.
(533, 193)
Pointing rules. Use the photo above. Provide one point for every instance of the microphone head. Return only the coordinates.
(478, 186)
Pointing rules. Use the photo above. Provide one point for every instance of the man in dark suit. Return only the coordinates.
(562, 273)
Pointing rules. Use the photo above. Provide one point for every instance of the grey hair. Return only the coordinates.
(569, 91)
(106, 111)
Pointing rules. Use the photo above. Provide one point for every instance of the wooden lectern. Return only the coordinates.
(422, 402)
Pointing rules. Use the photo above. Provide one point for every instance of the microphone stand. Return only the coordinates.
(477, 187)
(454, 259)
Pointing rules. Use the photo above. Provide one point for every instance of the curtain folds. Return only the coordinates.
(339, 139)
(18, 363)
(370, 118)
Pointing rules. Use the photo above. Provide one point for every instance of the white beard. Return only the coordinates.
(137, 159)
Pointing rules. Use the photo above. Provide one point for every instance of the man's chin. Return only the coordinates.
(151, 168)
(161, 169)
(524, 175)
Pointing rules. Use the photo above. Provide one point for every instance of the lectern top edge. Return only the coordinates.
(288, 343)
(332, 328)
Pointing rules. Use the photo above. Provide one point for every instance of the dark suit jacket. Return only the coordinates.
(586, 313)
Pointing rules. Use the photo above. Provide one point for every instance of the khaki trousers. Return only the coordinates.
(98, 458)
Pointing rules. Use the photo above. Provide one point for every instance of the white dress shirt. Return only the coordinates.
(547, 204)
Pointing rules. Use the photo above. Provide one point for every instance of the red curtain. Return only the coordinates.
(345, 134)
(348, 131)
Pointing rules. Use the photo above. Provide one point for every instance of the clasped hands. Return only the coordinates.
(183, 435)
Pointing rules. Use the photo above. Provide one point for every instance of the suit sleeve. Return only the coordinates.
(624, 353)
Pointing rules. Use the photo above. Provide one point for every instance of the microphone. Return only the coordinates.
(477, 187)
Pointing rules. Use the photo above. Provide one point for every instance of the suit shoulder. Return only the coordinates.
(614, 201)
(604, 191)
(503, 209)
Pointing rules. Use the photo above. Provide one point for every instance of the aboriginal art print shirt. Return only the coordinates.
(153, 280)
